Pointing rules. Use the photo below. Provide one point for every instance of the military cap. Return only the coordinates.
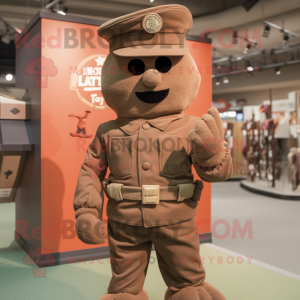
(159, 30)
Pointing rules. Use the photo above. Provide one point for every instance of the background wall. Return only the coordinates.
(258, 96)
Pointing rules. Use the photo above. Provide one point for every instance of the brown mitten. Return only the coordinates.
(89, 228)
(207, 139)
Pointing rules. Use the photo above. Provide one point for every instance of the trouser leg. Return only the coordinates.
(178, 256)
(130, 249)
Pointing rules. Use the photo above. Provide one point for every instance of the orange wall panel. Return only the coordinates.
(62, 154)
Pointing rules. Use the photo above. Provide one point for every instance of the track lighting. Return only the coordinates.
(53, 5)
(277, 71)
(266, 31)
(286, 38)
(217, 81)
(5, 39)
(247, 48)
(9, 77)
(249, 68)
(225, 80)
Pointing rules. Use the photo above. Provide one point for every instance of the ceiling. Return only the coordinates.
(18, 11)
(210, 16)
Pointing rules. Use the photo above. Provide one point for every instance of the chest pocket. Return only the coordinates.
(120, 157)
(173, 156)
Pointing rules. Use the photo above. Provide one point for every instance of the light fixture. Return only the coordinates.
(53, 6)
(250, 68)
(277, 71)
(247, 48)
(9, 77)
(217, 81)
(286, 38)
(248, 4)
(225, 80)
(151, 1)
(231, 114)
(266, 31)
(286, 33)
(5, 39)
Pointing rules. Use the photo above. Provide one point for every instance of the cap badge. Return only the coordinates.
(152, 23)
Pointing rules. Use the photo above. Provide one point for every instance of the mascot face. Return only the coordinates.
(149, 87)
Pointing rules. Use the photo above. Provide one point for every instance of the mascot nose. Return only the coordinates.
(151, 78)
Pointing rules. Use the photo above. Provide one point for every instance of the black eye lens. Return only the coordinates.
(163, 64)
(136, 67)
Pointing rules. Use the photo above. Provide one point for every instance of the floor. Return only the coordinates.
(233, 274)
(235, 277)
(275, 225)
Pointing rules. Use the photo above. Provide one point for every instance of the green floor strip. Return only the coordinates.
(89, 280)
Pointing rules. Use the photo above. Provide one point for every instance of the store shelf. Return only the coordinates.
(15, 135)
(262, 188)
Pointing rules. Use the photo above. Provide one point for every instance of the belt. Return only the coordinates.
(148, 194)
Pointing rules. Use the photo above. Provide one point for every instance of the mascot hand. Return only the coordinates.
(207, 139)
(89, 228)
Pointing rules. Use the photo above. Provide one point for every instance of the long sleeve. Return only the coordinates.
(89, 192)
(215, 173)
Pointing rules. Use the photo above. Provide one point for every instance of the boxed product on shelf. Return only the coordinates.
(13, 109)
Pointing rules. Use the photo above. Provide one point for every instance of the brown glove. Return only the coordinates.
(207, 139)
(89, 228)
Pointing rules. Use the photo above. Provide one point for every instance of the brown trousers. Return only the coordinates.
(177, 251)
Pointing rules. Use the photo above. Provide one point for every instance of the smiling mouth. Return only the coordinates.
(153, 96)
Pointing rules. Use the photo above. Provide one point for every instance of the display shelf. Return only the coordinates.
(262, 187)
(15, 135)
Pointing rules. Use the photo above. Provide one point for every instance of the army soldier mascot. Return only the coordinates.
(149, 150)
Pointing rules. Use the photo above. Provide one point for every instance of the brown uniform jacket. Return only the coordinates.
(138, 152)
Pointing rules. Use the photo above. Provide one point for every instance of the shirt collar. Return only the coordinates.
(131, 125)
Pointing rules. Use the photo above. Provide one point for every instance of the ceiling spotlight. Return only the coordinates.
(5, 39)
(247, 48)
(277, 71)
(151, 1)
(225, 80)
(266, 31)
(9, 77)
(285, 38)
(250, 69)
(61, 12)
(217, 81)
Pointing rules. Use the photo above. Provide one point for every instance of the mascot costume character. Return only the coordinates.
(149, 150)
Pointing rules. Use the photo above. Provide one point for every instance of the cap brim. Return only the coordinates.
(152, 50)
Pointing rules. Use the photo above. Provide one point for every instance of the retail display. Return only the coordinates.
(271, 160)
(159, 171)
(14, 140)
(235, 144)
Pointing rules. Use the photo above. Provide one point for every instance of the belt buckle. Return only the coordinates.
(150, 194)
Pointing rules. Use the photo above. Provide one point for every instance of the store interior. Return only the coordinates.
(248, 55)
